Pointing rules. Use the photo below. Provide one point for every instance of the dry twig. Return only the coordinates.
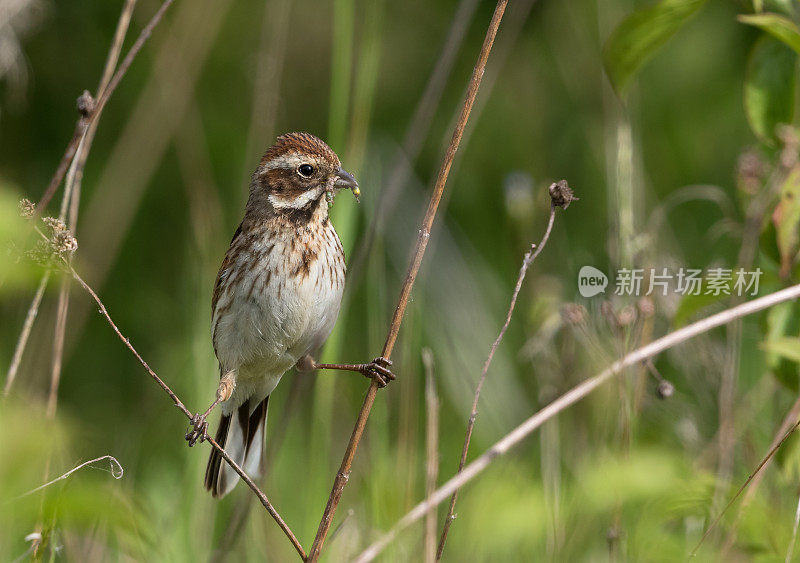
(25, 333)
(85, 127)
(116, 471)
(571, 397)
(178, 403)
(787, 423)
(72, 191)
(92, 114)
(560, 196)
(747, 481)
(343, 474)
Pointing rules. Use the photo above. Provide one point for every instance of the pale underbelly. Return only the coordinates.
(263, 334)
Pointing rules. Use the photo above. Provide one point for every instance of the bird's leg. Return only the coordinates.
(377, 369)
(199, 425)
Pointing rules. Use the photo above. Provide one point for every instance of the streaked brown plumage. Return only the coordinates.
(277, 295)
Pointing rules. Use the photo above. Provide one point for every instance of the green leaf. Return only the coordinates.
(786, 218)
(780, 27)
(780, 321)
(769, 87)
(639, 35)
(787, 347)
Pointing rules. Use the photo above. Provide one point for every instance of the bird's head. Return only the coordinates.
(297, 171)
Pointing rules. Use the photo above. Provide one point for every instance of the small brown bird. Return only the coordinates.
(276, 297)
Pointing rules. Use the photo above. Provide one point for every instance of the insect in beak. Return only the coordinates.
(345, 180)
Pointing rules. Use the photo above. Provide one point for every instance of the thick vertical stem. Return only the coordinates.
(343, 474)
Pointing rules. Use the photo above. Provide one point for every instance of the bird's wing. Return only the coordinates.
(223, 270)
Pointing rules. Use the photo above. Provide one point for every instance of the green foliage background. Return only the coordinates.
(622, 475)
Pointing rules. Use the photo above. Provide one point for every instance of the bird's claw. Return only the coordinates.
(378, 369)
(197, 430)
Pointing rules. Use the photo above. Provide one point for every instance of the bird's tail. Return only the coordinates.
(241, 433)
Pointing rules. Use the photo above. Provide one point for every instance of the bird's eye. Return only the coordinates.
(305, 170)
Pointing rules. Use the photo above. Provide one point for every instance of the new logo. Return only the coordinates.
(591, 281)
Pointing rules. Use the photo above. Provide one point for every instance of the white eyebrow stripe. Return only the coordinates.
(290, 160)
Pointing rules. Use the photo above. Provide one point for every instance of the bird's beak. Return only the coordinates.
(345, 180)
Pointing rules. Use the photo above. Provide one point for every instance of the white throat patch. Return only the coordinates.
(298, 202)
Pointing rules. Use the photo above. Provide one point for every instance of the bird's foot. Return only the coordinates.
(378, 369)
(197, 430)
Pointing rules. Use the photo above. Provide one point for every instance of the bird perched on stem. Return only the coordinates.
(276, 297)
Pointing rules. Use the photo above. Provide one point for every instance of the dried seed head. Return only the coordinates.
(573, 314)
(64, 242)
(627, 315)
(85, 104)
(561, 194)
(646, 307)
(56, 225)
(26, 208)
(665, 389)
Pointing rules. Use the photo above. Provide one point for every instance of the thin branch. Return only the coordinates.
(127, 342)
(261, 497)
(432, 447)
(63, 165)
(786, 424)
(530, 256)
(726, 397)
(79, 145)
(756, 212)
(116, 44)
(747, 481)
(70, 203)
(116, 472)
(59, 331)
(60, 325)
(92, 116)
(570, 398)
(178, 403)
(343, 474)
(84, 132)
(517, 18)
(22, 342)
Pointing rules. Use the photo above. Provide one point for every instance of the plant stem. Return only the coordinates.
(343, 474)
(530, 256)
(568, 399)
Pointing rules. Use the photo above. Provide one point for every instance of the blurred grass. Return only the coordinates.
(164, 191)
